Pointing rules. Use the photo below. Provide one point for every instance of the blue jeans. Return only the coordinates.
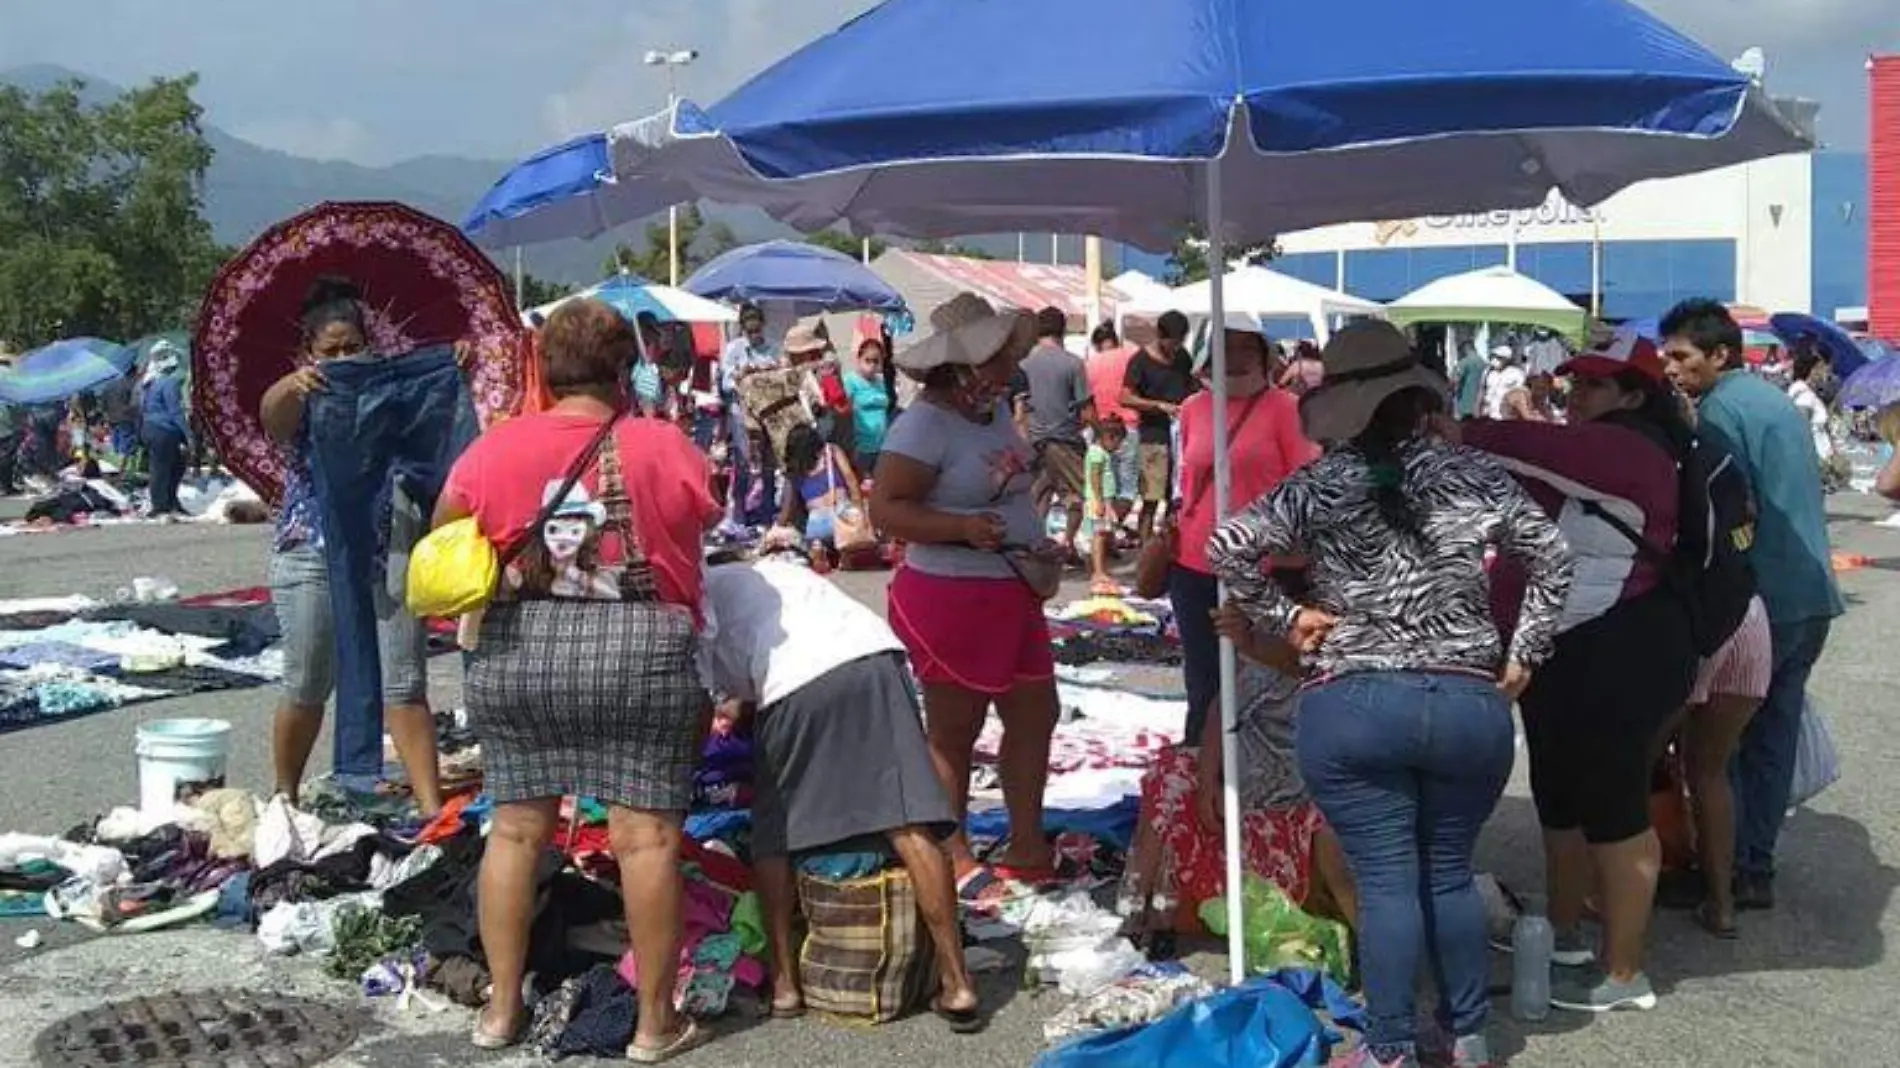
(1407, 767)
(1763, 770)
(166, 449)
(375, 420)
(1195, 595)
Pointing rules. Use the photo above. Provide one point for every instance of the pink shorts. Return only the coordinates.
(1742, 666)
(981, 634)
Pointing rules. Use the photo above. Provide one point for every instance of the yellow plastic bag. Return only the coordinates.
(452, 571)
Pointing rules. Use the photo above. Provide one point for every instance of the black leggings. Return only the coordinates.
(1594, 710)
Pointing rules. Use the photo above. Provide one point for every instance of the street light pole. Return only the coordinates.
(672, 61)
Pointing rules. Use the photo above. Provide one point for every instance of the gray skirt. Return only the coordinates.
(595, 698)
(843, 756)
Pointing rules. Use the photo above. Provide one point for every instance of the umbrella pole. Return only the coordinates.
(1229, 705)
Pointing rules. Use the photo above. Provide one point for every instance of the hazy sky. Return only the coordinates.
(379, 80)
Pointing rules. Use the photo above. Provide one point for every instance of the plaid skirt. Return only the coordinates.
(595, 698)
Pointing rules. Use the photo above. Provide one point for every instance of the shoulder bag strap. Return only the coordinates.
(574, 473)
(1200, 494)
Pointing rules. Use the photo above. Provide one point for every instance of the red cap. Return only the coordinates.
(1626, 351)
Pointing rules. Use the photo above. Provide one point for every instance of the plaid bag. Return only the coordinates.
(868, 956)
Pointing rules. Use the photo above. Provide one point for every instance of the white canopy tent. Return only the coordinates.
(1490, 295)
(665, 301)
(1260, 293)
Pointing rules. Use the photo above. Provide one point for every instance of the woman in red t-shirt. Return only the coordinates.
(583, 679)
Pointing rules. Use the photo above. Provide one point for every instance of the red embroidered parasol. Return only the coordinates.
(424, 284)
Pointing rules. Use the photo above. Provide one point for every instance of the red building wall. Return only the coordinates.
(1883, 179)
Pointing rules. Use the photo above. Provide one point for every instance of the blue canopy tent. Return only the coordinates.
(805, 278)
(1246, 119)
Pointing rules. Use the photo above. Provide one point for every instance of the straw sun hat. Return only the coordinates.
(1365, 362)
(967, 332)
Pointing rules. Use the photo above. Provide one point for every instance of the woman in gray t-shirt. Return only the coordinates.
(954, 484)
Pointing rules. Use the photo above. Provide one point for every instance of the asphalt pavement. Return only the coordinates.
(1812, 983)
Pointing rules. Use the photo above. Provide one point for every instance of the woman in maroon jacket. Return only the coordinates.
(1625, 656)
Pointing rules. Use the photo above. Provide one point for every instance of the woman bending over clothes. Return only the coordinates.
(1404, 735)
(583, 678)
(1625, 657)
(841, 753)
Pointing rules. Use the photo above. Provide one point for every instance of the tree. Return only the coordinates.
(1188, 262)
(700, 241)
(838, 241)
(950, 248)
(538, 291)
(102, 227)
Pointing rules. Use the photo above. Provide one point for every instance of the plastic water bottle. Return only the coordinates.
(1533, 941)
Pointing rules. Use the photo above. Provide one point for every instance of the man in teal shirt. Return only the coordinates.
(1794, 572)
(1468, 378)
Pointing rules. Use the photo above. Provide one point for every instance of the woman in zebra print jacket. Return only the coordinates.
(1405, 736)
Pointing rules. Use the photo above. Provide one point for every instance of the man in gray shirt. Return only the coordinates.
(1059, 406)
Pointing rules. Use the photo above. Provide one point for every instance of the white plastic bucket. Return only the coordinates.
(179, 759)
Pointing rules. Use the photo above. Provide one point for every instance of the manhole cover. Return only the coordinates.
(205, 1029)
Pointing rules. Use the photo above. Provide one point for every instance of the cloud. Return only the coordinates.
(332, 138)
(736, 39)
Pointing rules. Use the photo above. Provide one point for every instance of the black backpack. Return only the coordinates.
(1715, 528)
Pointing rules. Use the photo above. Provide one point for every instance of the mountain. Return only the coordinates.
(249, 187)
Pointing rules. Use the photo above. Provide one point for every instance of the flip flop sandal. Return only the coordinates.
(1705, 918)
(787, 1012)
(961, 1021)
(982, 890)
(689, 1038)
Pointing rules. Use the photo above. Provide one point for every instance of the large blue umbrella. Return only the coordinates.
(1249, 117)
(62, 369)
(1843, 354)
(1315, 113)
(808, 278)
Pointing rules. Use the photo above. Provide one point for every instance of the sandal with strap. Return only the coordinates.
(687, 1039)
(484, 1039)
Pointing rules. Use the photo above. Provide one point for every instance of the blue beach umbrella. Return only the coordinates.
(806, 277)
(1304, 114)
(1249, 118)
(1843, 354)
(60, 370)
(631, 295)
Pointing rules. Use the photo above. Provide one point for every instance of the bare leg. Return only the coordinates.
(293, 735)
(1566, 876)
(412, 728)
(936, 889)
(1103, 545)
(647, 845)
(1714, 734)
(1145, 520)
(953, 719)
(1626, 877)
(1029, 716)
(505, 904)
(1075, 525)
(774, 876)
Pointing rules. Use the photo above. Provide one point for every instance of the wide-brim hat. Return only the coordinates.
(1365, 362)
(803, 339)
(967, 332)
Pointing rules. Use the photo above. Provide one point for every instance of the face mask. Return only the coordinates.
(977, 393)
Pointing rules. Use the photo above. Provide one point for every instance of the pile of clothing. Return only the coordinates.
(115, 656)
